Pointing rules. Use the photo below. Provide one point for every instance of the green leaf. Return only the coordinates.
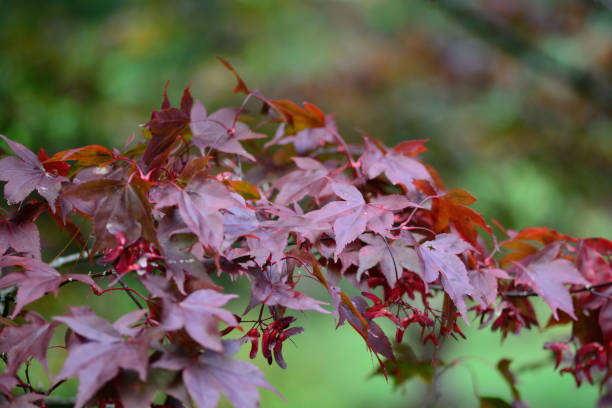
(247, 190)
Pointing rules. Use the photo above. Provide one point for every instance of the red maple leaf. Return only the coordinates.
(25, 174)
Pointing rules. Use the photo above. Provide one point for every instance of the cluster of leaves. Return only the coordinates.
(206, 195)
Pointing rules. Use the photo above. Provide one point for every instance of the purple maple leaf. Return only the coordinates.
(220, 131)
(199, 204)
(373, 334)
(311, 179)
(352, 216)
(214, 373)
(36, 279)
(26, 401)
(393, 259)
(397, 167)
(21, 236)
(119, 207)
(439, 258)
(306, 139)
(7, 382)
(200, 314)
(166, 125)
(484, 282)
(270, 289)
(99, 359)
(547, 278)
(26, 173)
(25, 341)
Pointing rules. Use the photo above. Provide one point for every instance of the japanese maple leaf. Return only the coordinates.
(484, 282)
(271, 235)
(547, 278)
(119, 207)
(440, 258)
(7, 382)
(269, 288)
(453, 208)
(216, 372)
(26, 401)
(239, 221)
(310, 179)
(177, 245)
(166, 125)
(104, 352)
(393, 259)
(398, 167)
(199, 204)
(264, 238)
(269, 239)
(200, 314)
(352, 310)
(36, 279)
(352, 216)
(21, 236)
(306, 127)
(26, 173)
(220, 131)
(307, 139)
(25, 341)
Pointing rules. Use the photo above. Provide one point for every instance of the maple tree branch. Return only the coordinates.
(530, 293)
(59, 402)
(54, 386)
(589, 288)
(64, 260)
(129, 291)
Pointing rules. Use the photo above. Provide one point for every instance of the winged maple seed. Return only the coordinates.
(181, 212)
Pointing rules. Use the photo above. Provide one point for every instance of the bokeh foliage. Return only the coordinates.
(514, 97)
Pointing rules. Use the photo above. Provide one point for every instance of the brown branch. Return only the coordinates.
(530, 293)
(589, 288)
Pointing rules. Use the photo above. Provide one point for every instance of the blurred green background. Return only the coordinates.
(515, 98)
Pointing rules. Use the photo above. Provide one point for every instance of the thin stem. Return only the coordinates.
(392, 257)
(129, 291)
(594, 292)
(27, 372)
(531, 293)
(420, 206)
(345, 150)
(63, 260)
(67, 244)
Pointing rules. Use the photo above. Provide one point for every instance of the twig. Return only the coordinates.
(530, 293)
(54, 386)
(392, 257)
(64, 260)
(128, 291)
(596, 293)
(27, 371)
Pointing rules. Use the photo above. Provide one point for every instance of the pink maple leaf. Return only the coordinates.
(353, 215)
(399, 168)
(440, 259)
